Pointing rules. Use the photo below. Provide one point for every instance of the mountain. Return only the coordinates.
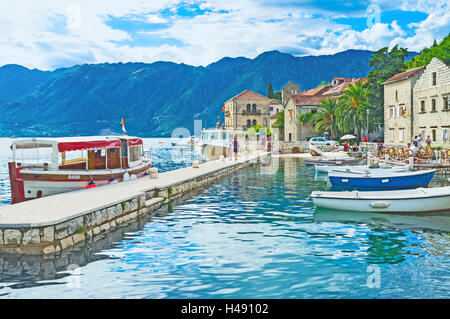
(154, 99)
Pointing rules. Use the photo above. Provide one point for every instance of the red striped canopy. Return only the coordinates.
(86, 145)
(134, 141)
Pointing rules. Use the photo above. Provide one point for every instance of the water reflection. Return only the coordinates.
(253, 235)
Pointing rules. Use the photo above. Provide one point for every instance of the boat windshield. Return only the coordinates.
(33, 155)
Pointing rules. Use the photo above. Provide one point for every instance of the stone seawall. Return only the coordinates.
(44, 239)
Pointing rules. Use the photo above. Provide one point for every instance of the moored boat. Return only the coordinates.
(47, 166)
(359, 168)
(381, 179)
(396, 201)
(333, 161)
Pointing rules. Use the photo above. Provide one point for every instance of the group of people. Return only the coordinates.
(418, 142)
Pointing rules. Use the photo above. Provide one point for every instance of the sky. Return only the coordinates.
(48, 34)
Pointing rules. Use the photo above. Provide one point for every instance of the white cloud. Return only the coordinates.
(37, 35)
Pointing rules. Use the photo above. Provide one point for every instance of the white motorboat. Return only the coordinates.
(359, 168)
(397, 201)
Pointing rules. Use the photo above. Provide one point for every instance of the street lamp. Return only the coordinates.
(367, 128)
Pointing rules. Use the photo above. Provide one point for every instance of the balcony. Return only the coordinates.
(251, 112)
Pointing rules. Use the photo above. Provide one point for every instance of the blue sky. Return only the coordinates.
(50, 34)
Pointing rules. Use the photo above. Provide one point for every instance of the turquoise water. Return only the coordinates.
(251, 235)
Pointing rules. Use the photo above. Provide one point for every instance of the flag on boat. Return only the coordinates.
(218, 120)
(123, 127)
(223, 108)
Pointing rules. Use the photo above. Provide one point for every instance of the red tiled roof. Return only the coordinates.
(274, 102)
(302, 100)
(404, 75)
(317, 90)
(249, 95)
(338, 89)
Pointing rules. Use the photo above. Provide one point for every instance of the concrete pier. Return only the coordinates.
(51, 224)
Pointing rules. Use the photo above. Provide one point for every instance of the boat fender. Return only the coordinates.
(133, 176)
(91, 184)
(380, 204)
(126, 177)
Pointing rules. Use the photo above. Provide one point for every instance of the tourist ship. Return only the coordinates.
(47, 166)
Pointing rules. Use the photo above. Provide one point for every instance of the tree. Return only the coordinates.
(352, 108)
(384, 65)
(440, 51)
(279, 121)
(277, 95)
(326, 119)
(270, 91)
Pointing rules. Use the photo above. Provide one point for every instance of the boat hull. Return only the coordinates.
(424, 204)
(382, 182)
(325, 169)
(337, 161)
(36, 184)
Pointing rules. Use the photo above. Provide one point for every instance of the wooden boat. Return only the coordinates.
(47, 166)
(359, 168)
(381, 179)
(396, 201)
(333, 161)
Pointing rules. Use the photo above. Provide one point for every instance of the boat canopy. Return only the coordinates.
(76, 143)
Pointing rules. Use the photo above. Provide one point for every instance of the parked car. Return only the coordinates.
(322, 141)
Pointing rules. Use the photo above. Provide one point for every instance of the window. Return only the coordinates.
(422, 106)
(391, 135)
(433, 105)
(446, 103)
(445, 134)
(290, 113)
(290, 137)
(400, 111)
(391, 113)
(400, 135)
(249, 123)
(433, 135)
(314, 111)
(254, 107)
(254, 122)
(135, 153)
(396, 95)
(433, 78)
(271, 109)
(293, 91)
(248, 107)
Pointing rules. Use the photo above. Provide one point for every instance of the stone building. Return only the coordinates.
(417, 102)
(398, 106)
(246, 109)
(431, 95)
(288, 90)
(299, 104)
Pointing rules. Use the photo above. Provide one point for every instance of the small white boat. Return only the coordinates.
(359, 168)
(399, 201)
(333, 160)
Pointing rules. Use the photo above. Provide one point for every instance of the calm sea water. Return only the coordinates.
(255, 234)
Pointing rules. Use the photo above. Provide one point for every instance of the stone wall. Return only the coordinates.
(398, 97)
(50, 239)
(433, 121)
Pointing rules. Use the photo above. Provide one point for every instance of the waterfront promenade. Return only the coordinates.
(50, 224)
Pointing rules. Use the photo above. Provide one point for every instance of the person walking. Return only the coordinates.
(419, 140)
(428, 141)
(235, 148)
(366, 139)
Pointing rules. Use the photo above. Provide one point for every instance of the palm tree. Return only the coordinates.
(326, 118)
(352, 108)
